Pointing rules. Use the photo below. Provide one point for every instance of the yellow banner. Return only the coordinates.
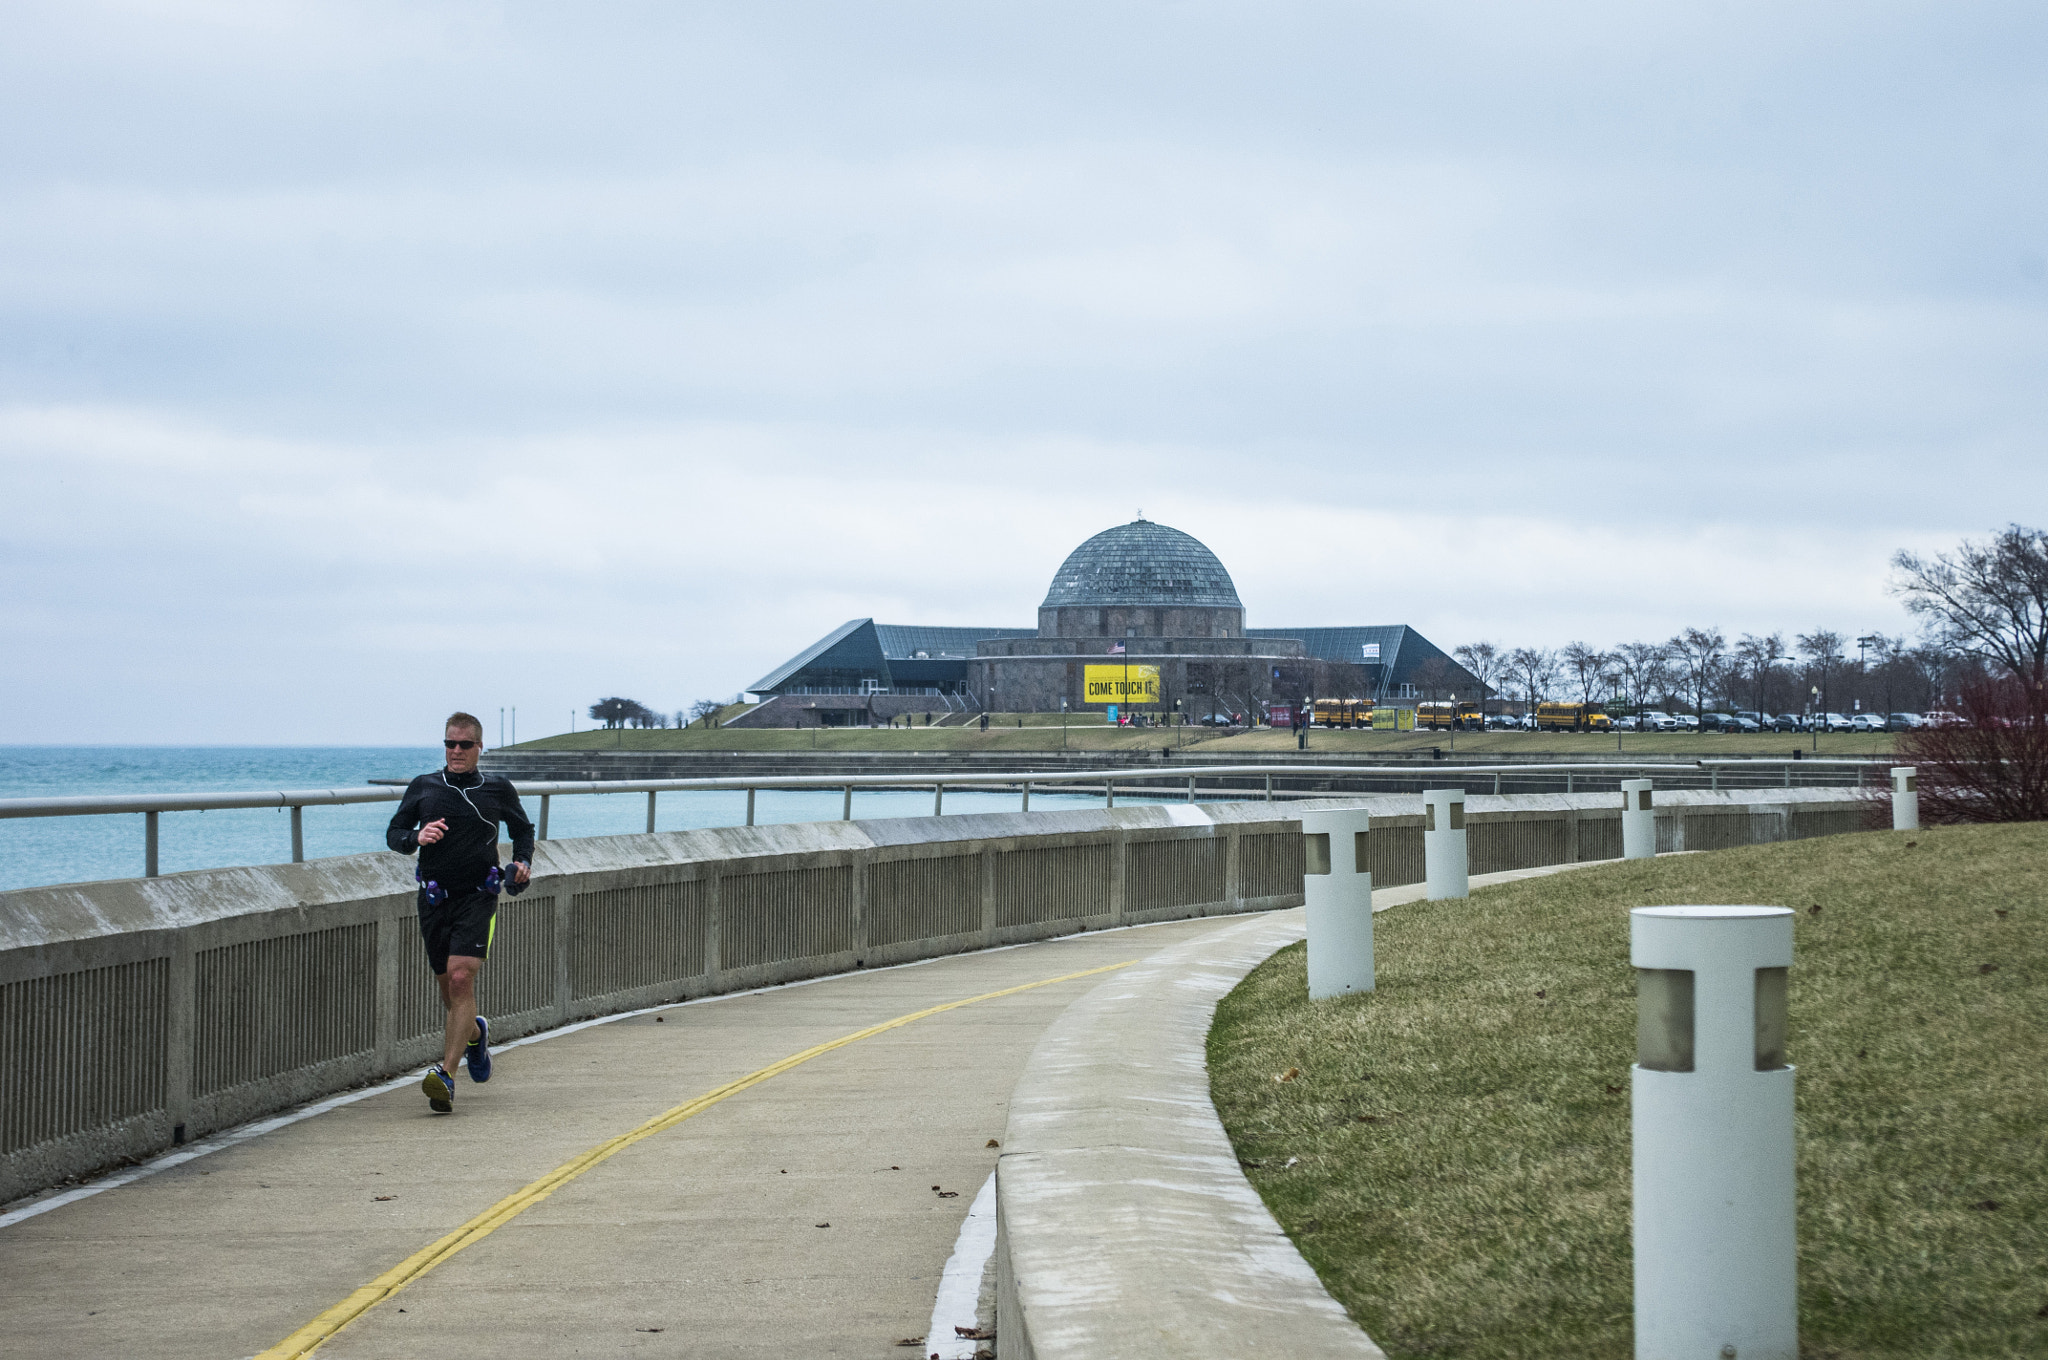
(1122, 684)
(1394, 719)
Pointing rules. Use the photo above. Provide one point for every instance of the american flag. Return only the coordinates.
(1116, 648)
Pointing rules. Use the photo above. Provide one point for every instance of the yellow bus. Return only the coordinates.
(1343, 713)
(1571, 718)
(1449, 717)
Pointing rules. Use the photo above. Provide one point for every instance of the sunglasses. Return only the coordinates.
(457, 745)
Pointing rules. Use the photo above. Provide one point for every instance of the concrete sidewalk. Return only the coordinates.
(703, 1240)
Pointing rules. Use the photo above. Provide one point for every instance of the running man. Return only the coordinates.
(451, 817)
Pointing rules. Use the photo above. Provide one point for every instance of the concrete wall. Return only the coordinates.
(140, 1012)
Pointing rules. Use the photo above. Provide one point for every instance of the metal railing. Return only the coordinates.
(1225, 780)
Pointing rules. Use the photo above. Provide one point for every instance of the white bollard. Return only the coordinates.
(1338, 889)
(1716, 1241)
(1905, 797)
(1444, 866)
(1638, 820)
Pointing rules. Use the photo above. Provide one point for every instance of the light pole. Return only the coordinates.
(1813, 719)
(1863, 646)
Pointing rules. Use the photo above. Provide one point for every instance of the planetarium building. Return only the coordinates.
(1140, 614)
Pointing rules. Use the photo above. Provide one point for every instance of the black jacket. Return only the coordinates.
(472, 805)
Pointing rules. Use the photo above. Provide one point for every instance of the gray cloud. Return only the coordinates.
(678, 335)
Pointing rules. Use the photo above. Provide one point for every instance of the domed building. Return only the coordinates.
(1141, 614)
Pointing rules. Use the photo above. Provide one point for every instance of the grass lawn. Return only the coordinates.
(1453, 1156)
(1088, 732)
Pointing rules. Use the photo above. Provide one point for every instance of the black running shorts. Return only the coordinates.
(462, 926)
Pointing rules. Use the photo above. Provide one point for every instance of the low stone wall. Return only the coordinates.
(137, 1013)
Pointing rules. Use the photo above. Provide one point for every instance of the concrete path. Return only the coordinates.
(704, 1239)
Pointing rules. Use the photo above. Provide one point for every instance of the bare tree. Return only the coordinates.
(1343, 680)
(704, 710)
(1586, 662)
(1433, 677)
(1641, 665)
(1891, 659)
(1757, 655)
(1992, 764)
(1823, 652)
(1534, 669)
(1699, 653)
(1486, 663)
(1988, 599)
(1934, 672)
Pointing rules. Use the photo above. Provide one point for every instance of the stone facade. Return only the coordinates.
(1141, 621)
(1157, 591)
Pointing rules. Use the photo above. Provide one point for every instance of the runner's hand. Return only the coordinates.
(519, 872)
(433, 831)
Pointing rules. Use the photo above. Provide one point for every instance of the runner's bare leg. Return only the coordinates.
(458, 994)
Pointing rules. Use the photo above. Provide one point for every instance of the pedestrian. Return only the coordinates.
(451, 818)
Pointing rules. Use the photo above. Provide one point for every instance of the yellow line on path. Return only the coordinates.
(309, 1337)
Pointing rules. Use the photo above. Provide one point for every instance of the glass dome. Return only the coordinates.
(1141, 563)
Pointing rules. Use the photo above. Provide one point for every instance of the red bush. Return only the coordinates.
(1990, 767)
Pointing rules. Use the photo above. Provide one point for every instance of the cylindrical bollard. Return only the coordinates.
(1905, 797)
(1338, 889)
(1716, 1246)
(1444, 866)
(1638, 820)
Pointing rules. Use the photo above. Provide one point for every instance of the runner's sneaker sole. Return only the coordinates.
(477, 1057)
(440, 1091)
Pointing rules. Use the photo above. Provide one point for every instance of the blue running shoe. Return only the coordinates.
(440, 1090)
(478, 1054)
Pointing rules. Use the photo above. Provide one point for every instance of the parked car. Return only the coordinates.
(1903, 722)
(1717, 722)
(1688, 721)
(1497, 722)
(1627, 723)
(1788, 722)
(1941, 717)
(1833, 722)
(1744, 723)
(1219, 720)
(1654, 721)
(1867, 722)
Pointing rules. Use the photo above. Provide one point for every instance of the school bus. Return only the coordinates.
(1449, 717)
(1571, 718)
(1343, 713)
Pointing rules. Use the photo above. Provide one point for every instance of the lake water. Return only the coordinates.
(41, 850)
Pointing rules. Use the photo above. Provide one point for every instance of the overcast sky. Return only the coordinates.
(362, 361)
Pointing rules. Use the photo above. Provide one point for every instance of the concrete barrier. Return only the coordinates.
(1445, 852)
(1337, 889)
(137, 1013)
(1638, 820)
(1905, 798)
